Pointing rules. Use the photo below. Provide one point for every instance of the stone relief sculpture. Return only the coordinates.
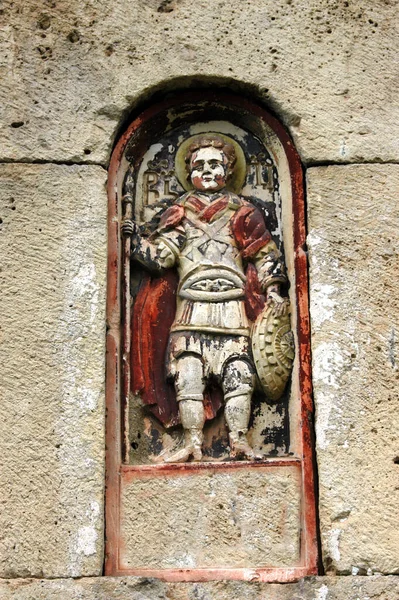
(209, 408)
(222, 330)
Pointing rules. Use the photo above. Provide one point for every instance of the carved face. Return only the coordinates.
(208, 169)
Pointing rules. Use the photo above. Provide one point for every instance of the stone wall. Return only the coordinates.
(72, 75)
(135, 588)
(353, 249)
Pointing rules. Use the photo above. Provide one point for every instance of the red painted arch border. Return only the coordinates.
(115, 356)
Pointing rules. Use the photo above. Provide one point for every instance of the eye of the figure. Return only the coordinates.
(215, 163)
(198, 164)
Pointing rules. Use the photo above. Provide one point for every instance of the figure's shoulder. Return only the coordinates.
(236, 201)
(241, 205)
(172, 216)
(181, 200)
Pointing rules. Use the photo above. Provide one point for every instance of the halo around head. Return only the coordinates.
(236, 181)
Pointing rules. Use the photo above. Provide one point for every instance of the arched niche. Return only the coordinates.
(145, 179)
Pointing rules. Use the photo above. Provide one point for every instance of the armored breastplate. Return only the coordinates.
(210, 266)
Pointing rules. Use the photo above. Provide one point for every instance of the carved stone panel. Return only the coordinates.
(207, 264)
(208, 371)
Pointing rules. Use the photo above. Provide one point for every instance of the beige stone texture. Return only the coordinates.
(135, 588)
(217, 518)
(354, 296)
(52, 306)
(73, 73)
(73, 70)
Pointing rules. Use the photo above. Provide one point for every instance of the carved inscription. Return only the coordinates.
(262, 168)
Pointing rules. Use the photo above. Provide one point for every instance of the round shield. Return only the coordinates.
(273, 351)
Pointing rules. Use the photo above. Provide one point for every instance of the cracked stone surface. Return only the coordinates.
(354, 306)
(73, 70)
(53, 249)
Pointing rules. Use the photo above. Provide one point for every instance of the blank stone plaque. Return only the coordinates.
(211, 518)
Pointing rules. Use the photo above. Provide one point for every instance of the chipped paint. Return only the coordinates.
(333, 540)
(312, 239)
(328, 362)
(82, 390)
(324, 407)
(328, 366)
(322, 593)
(86, 540)
(185, 561)
(322, 303)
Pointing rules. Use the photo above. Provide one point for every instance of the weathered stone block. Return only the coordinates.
(212, 518)
(72, 70)
(140, 588)
(354, 295)
(53, 249)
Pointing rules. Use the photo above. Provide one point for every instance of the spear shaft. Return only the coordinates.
(127, 213)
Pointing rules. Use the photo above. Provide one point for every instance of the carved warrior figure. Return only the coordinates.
(212, 236)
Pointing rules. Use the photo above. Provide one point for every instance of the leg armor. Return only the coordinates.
(189, 387)
(238, 385)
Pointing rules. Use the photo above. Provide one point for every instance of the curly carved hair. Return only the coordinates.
(212, 141)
